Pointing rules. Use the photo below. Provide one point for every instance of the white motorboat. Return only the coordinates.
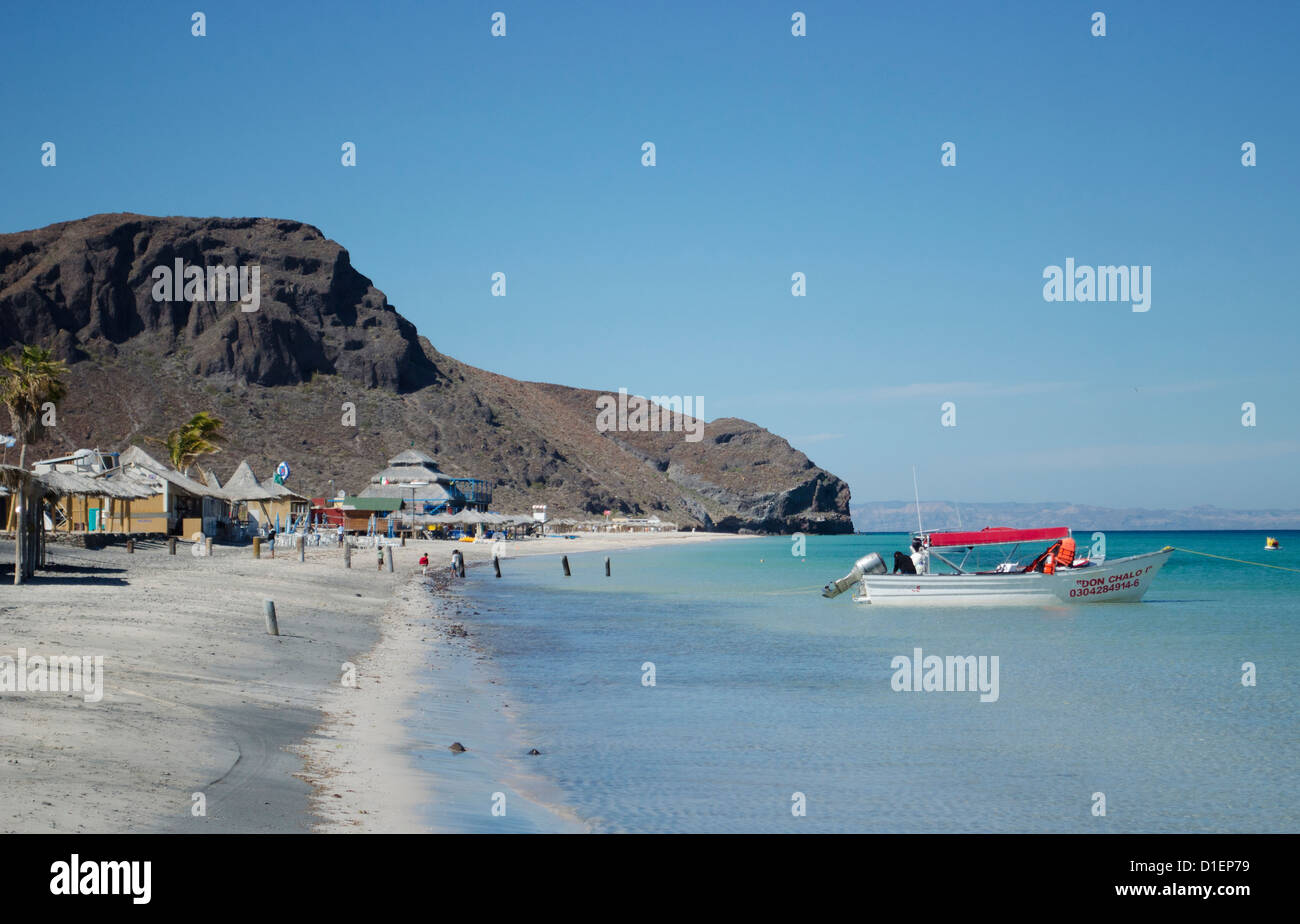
(1053, 577)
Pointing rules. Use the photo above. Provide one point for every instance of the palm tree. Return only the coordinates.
(198, 437)
(28, 381)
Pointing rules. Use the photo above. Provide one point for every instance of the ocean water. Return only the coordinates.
(764, 690)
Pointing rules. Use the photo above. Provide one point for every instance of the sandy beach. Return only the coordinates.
(361, 760)
(209, 724)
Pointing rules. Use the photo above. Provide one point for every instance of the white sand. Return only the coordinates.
(362, 758)
(199, 699)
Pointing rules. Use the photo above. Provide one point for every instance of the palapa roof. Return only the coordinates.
(134, 455)
(244, 486)
(431, 491)
(281, 491)
(11, 476)
(412, 457)
(62, 483)
(126, 487)
(410, 469)
(473, 516)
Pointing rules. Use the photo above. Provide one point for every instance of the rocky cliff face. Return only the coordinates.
(89, 287)
(323, 338)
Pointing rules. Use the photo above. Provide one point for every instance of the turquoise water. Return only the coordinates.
(764, 689)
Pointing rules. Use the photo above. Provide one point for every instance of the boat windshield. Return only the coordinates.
(980, 559)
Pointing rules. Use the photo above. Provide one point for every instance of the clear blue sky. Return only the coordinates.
(775, 154)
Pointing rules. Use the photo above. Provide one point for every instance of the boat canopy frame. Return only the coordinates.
(990, 535)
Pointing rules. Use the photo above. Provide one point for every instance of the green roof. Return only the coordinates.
(377, 504)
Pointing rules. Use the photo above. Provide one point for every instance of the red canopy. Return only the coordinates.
(992, 535)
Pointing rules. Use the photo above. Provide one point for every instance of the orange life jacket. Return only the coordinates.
(1049, 563)
(1065, 556)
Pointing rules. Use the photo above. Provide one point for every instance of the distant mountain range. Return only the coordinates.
(900, 516)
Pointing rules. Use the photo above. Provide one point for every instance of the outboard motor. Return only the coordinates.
(867, 564)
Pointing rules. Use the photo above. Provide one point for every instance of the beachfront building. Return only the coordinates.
(127, 492)
(72, 510)
(286, 506)
(650, 524)
(362, 515)
(413, 478)
(267, 504)
(180, 505)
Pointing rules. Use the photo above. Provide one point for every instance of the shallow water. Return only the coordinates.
(763, 689)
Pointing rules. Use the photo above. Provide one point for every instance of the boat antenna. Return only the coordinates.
(916, 491)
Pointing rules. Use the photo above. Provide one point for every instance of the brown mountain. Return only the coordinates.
(323, 336)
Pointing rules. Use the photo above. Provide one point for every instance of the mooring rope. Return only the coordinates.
(1240, 561)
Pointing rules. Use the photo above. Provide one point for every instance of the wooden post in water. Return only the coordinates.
(565, 561)
(272, 627)
(257, 546)
(171, 546)
(606, 566)
(496, 565)
(347, 554)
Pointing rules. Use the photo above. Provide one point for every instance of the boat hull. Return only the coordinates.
(1123, 580)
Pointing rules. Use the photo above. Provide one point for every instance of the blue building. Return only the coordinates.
(413, 477)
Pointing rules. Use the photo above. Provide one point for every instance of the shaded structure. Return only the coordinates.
(413, 478)
(266, 502)
(180, 505)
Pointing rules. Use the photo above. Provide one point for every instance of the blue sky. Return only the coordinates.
(775, 154)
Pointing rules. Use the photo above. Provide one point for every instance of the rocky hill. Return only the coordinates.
(323, 339)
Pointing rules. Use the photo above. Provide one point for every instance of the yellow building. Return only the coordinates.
(265, 502)
(128, 492)
(180, 505)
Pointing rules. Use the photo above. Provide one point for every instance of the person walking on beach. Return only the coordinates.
(270, 537)
(424, 563)
(381, 557)
(340, 535)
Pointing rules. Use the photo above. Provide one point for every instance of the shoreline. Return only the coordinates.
(207, 724)
(371, 770)
(198, 700)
